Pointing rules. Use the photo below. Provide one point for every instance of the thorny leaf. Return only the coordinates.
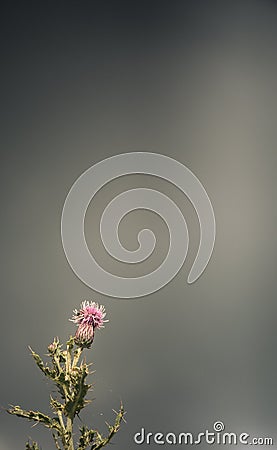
(36, 416)
(113, 429)
(34, 446)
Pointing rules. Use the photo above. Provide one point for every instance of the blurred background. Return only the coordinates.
(194, 80)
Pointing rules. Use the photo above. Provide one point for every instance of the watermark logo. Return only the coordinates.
(92, 180)
(218, 436)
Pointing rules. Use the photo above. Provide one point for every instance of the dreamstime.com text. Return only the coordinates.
(216, 437)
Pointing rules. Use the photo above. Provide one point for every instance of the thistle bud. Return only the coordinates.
(53, 347)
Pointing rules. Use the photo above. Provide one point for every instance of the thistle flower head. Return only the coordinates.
(90, 313)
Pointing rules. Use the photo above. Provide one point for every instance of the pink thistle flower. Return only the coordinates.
(90, 313)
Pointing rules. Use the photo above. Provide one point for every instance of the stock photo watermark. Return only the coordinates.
(218, 436)
(92, 180)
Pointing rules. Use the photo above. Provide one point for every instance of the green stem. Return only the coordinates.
(77, 355)
(57, 362)
(69, 429)
(68, 361)
(70, 365)
(60, 416)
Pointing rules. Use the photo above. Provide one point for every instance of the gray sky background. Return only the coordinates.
(196, 81)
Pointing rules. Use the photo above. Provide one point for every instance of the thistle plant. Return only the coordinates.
(69, 371)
